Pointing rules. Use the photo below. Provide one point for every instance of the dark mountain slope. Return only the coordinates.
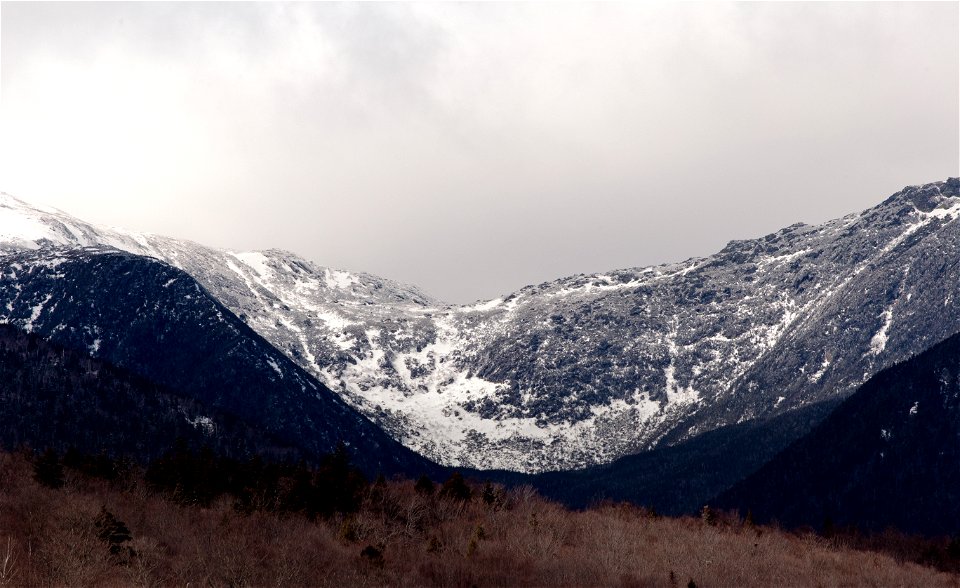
(888, 456)
(678, 479)
(51, 396)
(155, 320)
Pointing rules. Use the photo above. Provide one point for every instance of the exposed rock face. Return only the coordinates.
(588, 368)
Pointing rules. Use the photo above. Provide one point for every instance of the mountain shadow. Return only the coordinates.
(888, 456)
(58, 398)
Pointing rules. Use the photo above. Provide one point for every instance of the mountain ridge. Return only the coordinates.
(588, 368)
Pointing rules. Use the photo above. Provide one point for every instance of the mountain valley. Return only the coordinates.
(590, 368)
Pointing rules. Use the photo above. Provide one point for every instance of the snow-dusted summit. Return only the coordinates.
(592, 367)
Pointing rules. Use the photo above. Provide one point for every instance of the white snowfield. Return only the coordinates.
(574, 372)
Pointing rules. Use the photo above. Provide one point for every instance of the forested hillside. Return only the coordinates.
(54, 397)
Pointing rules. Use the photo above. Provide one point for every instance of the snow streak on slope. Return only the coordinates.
(591, 367)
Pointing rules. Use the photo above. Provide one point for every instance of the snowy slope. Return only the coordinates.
(588, 368)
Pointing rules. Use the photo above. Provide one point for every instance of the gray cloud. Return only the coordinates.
(475, 148)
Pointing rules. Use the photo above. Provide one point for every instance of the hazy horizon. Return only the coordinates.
(472, 149)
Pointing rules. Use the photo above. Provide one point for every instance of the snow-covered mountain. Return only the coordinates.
(592, 367)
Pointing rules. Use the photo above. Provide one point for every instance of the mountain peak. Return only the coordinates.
(926, 197)
(8, 200)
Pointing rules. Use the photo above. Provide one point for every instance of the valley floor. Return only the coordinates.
(74, 536)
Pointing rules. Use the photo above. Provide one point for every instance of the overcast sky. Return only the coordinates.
(472, 149)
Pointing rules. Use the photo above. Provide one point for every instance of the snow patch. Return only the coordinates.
(675, 394)
(879, 341)
(15, 226)
(816, 376)
(951, 211)
(275, 366)
(35, 314)
(781, 259)
(203, 422)
(339, 279)
(483, 306)
(334, 321)
(256, 261)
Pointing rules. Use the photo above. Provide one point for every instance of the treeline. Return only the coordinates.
(198, 477)
(193, 516)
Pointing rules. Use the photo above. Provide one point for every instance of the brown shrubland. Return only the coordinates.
(401, 537)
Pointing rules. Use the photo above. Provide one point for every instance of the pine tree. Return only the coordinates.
(456, 488)
(424, 486)
(339, 487)
(708, 515)
(48, 471)
(489, 494)
(112, 531)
